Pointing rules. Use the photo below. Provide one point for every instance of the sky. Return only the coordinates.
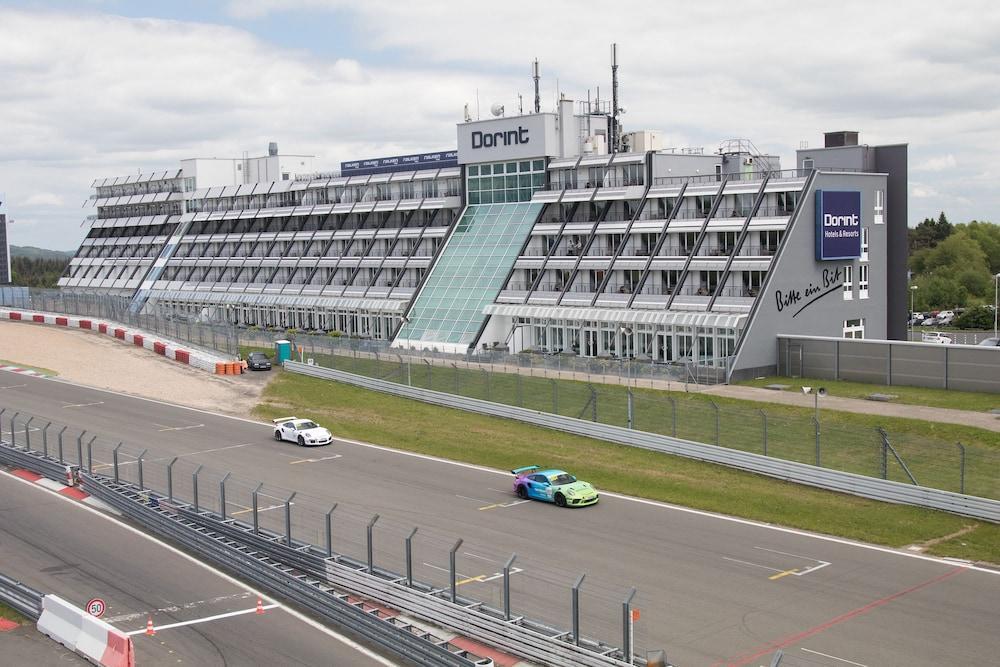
(98, 88)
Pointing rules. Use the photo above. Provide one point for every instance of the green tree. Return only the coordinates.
(987, 235)
(929, 233)
(936, 292)
(29, 272)
(980, 317)
(961, 258)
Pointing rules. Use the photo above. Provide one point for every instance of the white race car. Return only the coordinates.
(306, 433)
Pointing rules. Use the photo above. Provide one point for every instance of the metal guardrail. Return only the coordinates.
(309, 574)
(833, 480)
(24, 599)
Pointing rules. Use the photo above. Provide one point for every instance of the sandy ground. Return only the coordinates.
(97, 360)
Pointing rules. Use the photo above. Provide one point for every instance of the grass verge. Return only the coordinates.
(936, 398)
(414, 426)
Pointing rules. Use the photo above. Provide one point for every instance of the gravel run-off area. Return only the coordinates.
(99, 361)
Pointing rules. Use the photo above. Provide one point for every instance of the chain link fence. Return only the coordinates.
(622, 392)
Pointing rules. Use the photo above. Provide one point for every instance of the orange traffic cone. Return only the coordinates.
(260, 606)
(150, 630)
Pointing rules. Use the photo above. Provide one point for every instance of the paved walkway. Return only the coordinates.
(983, 420)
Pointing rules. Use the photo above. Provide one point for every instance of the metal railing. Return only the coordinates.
(22, 598)
(307, 552)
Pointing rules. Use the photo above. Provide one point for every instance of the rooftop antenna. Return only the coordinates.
(536, 75)
(477, 104)
(520, 104)
(615, 126)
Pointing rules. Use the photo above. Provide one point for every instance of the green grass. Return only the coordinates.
(937, 398)
(414, 426)
(982, 544)
(38, 369)
(848, 441)
(11, 615)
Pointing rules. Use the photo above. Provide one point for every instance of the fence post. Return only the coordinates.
(715, 406)
(90, 454)
(59, 442)
(627, 627)
(3, 410)
(371, 553)
(430, 374)
(489, 393)
(593, 406)
(170, 479)
(576, 609)
(884, 458)
(27, 434)
(194, 487)
(222, 495)
(45, 440)
(409, 557)
(451, 570)
(329, 531)
(816, 428)
(763, 417)
(288, 519)
(13, 442)
(253, 507)
(520, 390)
(114, 459)
(555, 397)
(628, 406)
(79, 446)
(458, 389)
(506, 586)
(961, 467)
(673, 415)
(139, 463)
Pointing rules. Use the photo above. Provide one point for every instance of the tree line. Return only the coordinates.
(953, 266)
(36, 272)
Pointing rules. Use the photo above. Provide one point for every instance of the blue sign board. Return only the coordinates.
(385, 165)
(838, 224)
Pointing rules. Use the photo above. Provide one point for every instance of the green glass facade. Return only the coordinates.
(469, 273)
(504, 182)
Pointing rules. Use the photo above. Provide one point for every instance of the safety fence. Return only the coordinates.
(883, 453)
(22, 598)
(781, 433)
(329, 556)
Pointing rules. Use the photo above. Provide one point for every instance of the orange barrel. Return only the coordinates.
(220, 368)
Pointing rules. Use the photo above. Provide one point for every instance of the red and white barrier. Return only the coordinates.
(98, 641)
(167, 349)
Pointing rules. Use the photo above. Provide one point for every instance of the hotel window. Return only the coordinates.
(848, 284)
(863, 281)
(808, 164)
(633, 174)
(879, 207)
(864, 244)
(854, 328)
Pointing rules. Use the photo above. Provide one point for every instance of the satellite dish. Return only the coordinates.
(497, 109)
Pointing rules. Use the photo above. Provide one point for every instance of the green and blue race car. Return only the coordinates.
(554, 486)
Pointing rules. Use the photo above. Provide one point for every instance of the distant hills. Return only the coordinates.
(31, 252)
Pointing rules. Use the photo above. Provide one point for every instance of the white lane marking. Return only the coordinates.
(506, 473)
(83, 405)
(458, 575)
(820, 564)
(259, 509)
(472, 555)
(14, 386)
(178, 607)
(746, 562)
(170, 458)
(478, 500)
(346, 641)
(324, 458)
(833, 657)
(193, 621)
(177, 428)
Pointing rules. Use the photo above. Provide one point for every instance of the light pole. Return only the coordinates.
(913, 288)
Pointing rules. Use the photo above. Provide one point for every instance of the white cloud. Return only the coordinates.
(938, 163)
(93, 95)
(46, 199)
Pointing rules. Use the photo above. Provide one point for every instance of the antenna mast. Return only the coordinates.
(536, 75)
(616, 131)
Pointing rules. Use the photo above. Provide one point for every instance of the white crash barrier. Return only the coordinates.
(74, 628)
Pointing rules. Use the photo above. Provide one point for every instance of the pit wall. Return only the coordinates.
(128, 336)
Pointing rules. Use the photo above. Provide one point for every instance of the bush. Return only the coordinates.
(333, 334)
(980, 317)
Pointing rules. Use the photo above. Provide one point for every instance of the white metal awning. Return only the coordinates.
(637, 316)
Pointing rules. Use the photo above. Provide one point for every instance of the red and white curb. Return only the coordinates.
(69, 491)
(23, 371)
(128, 336)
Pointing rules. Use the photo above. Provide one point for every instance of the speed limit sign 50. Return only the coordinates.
(96, 607)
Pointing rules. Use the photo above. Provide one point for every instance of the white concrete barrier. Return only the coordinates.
(96, 640)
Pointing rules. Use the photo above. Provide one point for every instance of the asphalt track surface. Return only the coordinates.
(712, 590)
(59, 545)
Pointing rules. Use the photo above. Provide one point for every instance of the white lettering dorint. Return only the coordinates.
(505, 138)
(830, 220)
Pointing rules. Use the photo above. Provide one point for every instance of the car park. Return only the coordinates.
(258, 361)
(553, 486)
(929, 322)
(935, 337)
(302, 431)
(945, 317)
